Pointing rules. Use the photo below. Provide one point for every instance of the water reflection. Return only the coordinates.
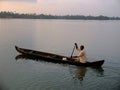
(26, 57)
(79, 72)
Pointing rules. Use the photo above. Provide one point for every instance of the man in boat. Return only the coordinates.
(82, 55)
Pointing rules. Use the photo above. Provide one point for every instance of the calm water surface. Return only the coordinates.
(101, 40)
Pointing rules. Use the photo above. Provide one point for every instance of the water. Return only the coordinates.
(101, 40)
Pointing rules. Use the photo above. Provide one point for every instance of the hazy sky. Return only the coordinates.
(63, 7)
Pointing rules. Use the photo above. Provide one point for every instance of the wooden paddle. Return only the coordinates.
(75, 46)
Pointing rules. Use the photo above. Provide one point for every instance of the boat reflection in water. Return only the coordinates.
(26, 57)
(78, 72)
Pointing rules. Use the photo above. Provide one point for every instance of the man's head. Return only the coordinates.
(82, 47)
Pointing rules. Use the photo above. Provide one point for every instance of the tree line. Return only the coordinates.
(4, 14)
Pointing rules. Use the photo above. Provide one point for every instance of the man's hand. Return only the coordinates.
(76, 45)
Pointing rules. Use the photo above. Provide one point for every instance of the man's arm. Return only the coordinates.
(77, 47)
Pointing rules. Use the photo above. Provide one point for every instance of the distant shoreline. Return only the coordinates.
(8, 14)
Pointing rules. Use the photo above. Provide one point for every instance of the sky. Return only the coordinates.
(63, 7)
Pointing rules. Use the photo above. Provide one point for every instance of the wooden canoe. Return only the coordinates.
(57, 58)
